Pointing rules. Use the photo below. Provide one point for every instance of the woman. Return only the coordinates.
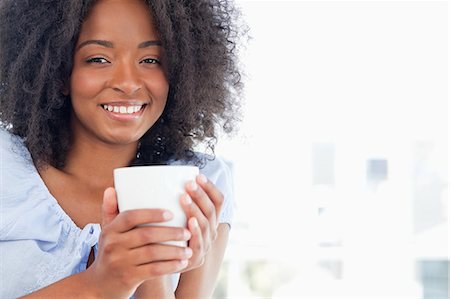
(89, 86)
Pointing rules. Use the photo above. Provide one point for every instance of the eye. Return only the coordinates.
(151, 61)
(99, 60)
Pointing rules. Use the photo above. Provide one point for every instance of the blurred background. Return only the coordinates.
(341, 163)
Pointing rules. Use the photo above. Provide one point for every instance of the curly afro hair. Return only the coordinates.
(200, 38)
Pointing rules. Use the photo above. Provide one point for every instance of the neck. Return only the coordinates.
(92, 161)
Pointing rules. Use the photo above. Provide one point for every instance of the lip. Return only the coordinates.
(125, 103)
(124, 117)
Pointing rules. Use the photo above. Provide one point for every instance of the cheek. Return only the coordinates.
(159, 87)
(84, 85)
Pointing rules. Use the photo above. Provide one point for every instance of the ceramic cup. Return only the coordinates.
(154, 187)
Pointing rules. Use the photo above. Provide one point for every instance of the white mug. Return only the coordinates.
(155, 187)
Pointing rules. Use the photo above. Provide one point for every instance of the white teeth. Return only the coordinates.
(122, 109)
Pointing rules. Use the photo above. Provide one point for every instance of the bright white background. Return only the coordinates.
(341, 162)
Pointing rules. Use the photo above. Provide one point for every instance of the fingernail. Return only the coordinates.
(188, 251)
(167, 215)
(187, 199)
(193, 186)
(202, 178)
(108, 192)
(194, 222)
(186, 235)
(183, 263)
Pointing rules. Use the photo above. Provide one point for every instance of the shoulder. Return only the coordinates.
(6, 137)
(12, 149)
(217, 169)
(6, 140)
(17, 179)
(220, 172)
(15, 159)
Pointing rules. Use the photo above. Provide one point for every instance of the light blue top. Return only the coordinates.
(39, 242)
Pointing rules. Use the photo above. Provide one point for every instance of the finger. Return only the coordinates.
(109, 206)
(191, 209)
(196, 243)
(207, 226)
(159, 252)
(203, 201)
(130, 219)
(212, 191)
(145, 235)
(149, 271)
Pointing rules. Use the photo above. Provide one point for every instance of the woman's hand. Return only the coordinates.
(202, 204)
(128, 255)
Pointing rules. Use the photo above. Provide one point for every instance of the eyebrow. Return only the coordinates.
(109, 44)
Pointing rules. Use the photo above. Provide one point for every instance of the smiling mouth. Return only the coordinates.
(121, 109)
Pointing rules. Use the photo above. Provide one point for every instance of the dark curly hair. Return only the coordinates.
(200, 38)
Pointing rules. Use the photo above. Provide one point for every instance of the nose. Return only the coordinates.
(126, 79)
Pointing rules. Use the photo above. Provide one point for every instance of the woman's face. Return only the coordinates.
(118, 85)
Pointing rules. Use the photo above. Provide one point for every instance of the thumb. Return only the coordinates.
(109, 207)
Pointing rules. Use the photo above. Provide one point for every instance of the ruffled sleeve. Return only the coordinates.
(34, 230)
(16, 181)
(25, 207)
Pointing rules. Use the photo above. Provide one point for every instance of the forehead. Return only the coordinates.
(113, 18)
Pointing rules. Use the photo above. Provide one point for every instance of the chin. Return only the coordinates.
(125, 140)
(121, 139)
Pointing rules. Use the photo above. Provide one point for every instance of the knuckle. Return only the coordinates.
(204, 226)
(147, 235)
(210, 212)
(108, 247)
(149, 251)
(152, 270)
(155, 270)
(143, 237)
(127, 219)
